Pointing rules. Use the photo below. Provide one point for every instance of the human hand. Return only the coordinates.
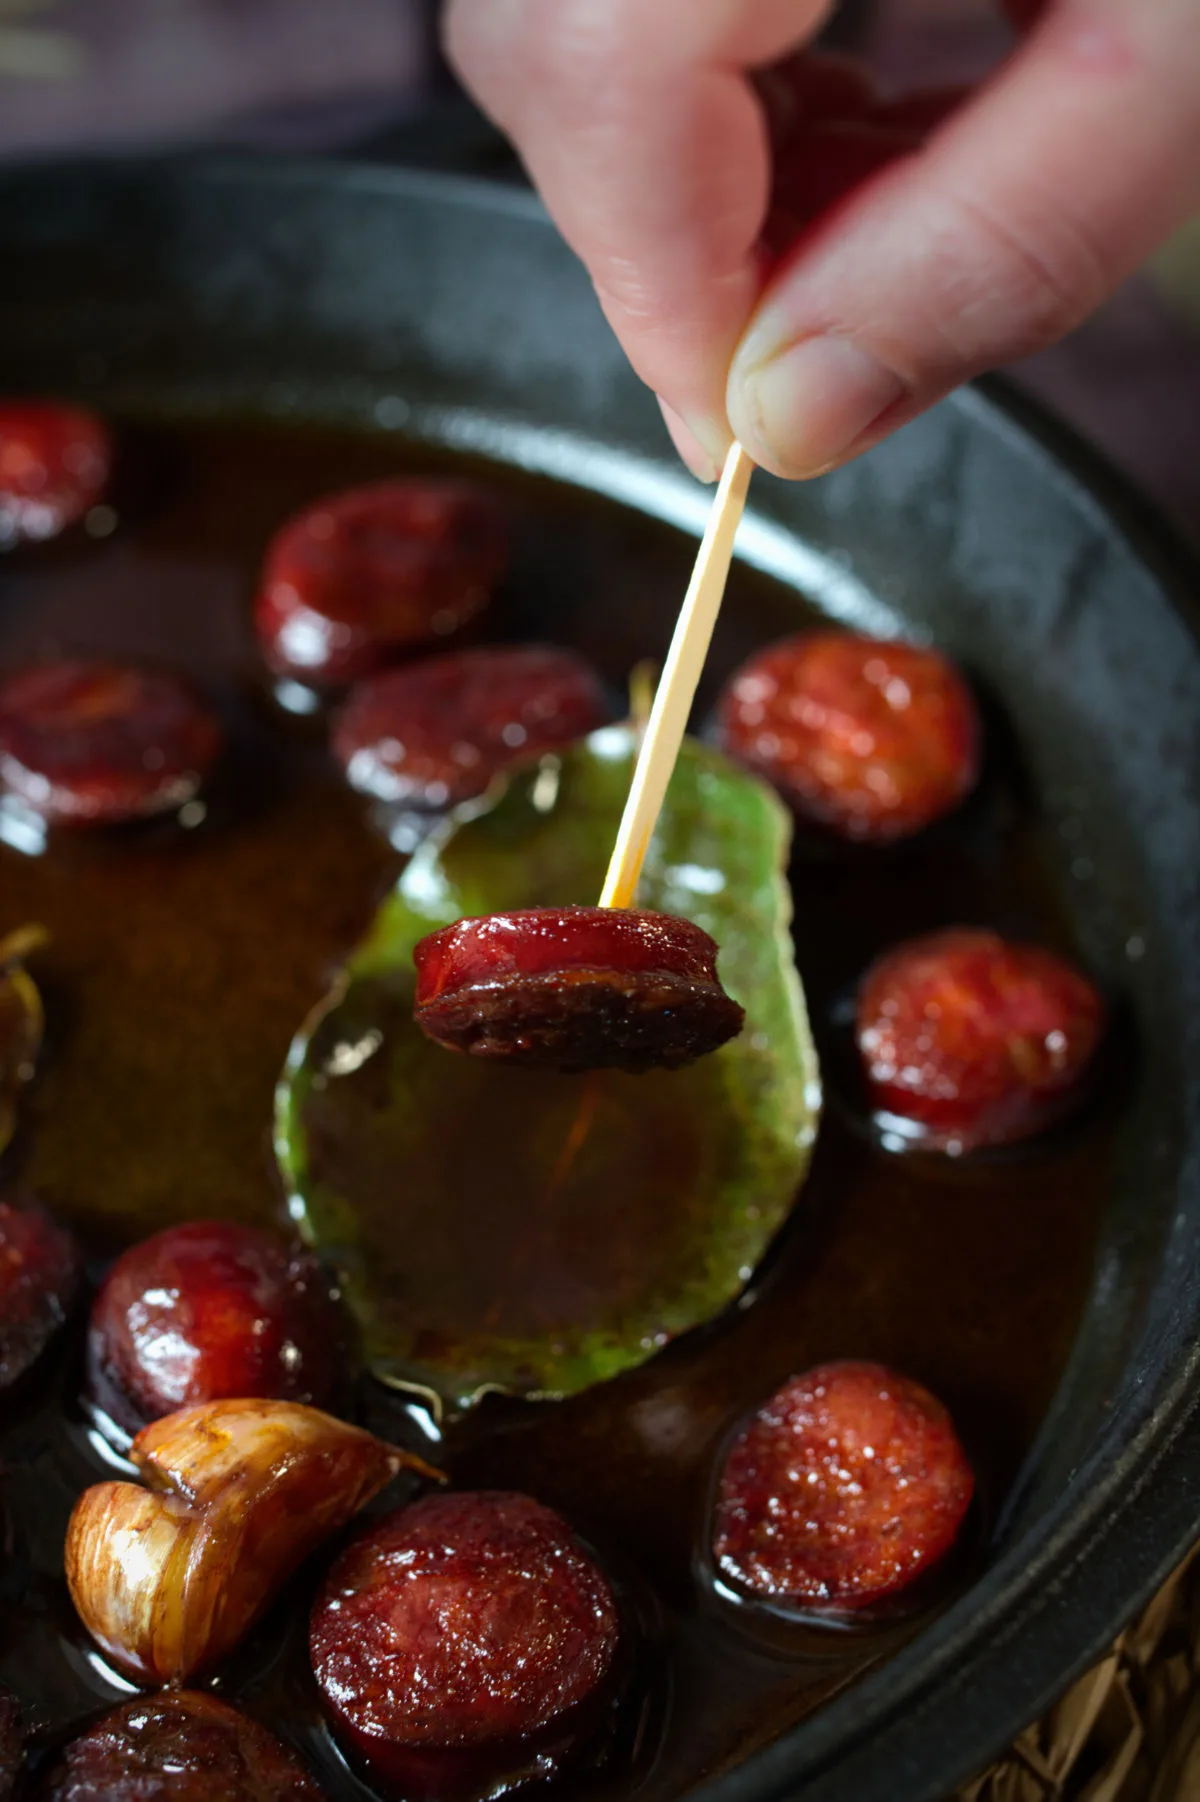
(787, 260)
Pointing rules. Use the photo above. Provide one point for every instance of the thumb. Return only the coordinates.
(998, 237)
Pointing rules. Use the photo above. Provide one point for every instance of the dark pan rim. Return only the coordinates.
(1049, 1607)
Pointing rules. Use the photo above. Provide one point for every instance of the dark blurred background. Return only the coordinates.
(364, 77)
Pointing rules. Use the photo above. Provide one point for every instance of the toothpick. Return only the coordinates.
(677, 688)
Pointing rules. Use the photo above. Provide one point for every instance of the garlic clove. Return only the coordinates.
(168, 1578)
(125, 1554)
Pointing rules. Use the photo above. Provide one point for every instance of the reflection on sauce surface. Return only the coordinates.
(183, 959)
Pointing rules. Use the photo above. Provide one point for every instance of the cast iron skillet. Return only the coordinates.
(451, 310)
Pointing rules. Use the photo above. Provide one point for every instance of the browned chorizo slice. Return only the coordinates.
(39, 1275)
(465, 1640)
(96, 743)
(435, 733)
(180, 1746)
(55, 463)
(209, 1311)
(974, 1040)
(575, 988)
(870, 739)
(844, 1487)
(374, 573)
(12, 1745)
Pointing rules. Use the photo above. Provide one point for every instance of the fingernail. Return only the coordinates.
(685, 436)
(713, 437)
(807, 407)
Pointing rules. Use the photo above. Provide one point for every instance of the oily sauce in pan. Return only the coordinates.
(183, 958)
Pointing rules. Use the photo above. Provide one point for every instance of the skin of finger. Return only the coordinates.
(644, 135)
(1022, 213)
(505, 45)
(693, 453)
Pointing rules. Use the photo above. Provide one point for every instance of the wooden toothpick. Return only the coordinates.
(677, 688)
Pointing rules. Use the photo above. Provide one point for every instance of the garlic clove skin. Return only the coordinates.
(123, 1557)
(168, 1578)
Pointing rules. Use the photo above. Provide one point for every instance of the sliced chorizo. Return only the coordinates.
(40, 1267)
(869, 739)
(55, 464)
(178, 1746)
(464, 1641)
(975, 1040)
(365, 576)
(209, 1311)
(575, 988)
(841, 1490)
(12, 1745)
(435, 733)
(90, 742)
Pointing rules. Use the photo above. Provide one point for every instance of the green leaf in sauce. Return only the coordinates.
(530, 1232)
(21, 1023)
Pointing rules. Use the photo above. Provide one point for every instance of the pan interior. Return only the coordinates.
(307, 324)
